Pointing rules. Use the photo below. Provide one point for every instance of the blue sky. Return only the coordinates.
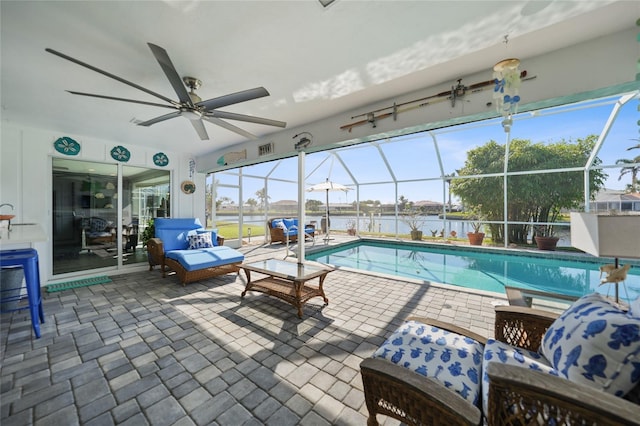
(415, 156)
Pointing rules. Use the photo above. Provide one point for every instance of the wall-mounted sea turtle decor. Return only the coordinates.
(67, 146)
(120, 153)
(188, 187)
(160, 159)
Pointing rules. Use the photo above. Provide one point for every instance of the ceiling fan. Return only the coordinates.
(189, 104)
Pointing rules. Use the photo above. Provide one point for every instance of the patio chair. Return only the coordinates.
(192, 252)
(512, 391)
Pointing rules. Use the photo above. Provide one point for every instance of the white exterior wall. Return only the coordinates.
(25, 178)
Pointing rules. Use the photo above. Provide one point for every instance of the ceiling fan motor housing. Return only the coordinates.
(192, 82)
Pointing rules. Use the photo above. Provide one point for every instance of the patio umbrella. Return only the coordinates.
(326, 187)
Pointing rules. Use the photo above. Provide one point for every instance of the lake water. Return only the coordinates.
(386, 224)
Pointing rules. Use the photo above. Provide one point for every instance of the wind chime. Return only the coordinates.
(506, 97)
(507, 87)
(188, 186)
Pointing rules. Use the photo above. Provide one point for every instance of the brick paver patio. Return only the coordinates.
(145, 350)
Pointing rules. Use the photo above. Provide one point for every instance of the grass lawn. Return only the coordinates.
(229, 230)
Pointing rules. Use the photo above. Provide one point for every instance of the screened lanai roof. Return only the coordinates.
(417, 165)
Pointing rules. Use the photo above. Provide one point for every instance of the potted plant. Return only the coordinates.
(351, 227)
(415, 219)
(544, 236)
(148, 233)
(477, 236)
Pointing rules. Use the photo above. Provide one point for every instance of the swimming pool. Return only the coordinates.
(481, 269)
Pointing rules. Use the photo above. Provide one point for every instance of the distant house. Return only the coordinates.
(428, 206)
(618, 200)
(340, 207)
(284, 206)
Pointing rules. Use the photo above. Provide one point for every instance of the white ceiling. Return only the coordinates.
(316, 62)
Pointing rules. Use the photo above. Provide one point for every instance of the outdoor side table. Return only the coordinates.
(287, 281)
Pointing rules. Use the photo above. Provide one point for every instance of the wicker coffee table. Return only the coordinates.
(287, 281)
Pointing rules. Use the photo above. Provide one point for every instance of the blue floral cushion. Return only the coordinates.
(496, 351)
(199, 241)
(212, 232)
(452, 359)
(597, 344)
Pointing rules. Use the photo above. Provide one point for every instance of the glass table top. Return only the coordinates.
(288, 270)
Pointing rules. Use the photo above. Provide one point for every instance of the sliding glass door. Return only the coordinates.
(100, 212)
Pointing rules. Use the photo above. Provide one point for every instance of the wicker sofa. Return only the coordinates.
(286, 230)
(515, 395)
(184, 246)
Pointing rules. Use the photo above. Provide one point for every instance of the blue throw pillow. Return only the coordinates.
(289, 223)
(597, 344)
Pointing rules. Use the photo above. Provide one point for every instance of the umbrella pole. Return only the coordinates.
(326, 216)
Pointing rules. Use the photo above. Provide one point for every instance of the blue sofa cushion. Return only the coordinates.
(291, 223)
(289, 226)
(174, 232)
(193, 260)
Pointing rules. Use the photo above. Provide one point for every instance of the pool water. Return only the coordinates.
(480, 269)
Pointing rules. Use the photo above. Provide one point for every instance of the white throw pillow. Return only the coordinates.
(200, 241)
(597, 344)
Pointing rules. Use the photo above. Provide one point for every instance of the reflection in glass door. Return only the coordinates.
(84, 215)
(88, 230)
(145, 197)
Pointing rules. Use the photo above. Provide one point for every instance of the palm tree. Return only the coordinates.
(262, 196)
(630, 166)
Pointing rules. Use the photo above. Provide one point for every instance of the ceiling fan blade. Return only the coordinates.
(170, 71)
(234, 98)
(161, 118)
(121, 99)
(108, 74)
(199, 126)
(230, 127)
(247, 118)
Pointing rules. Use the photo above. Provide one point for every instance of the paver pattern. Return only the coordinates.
(143, 350)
